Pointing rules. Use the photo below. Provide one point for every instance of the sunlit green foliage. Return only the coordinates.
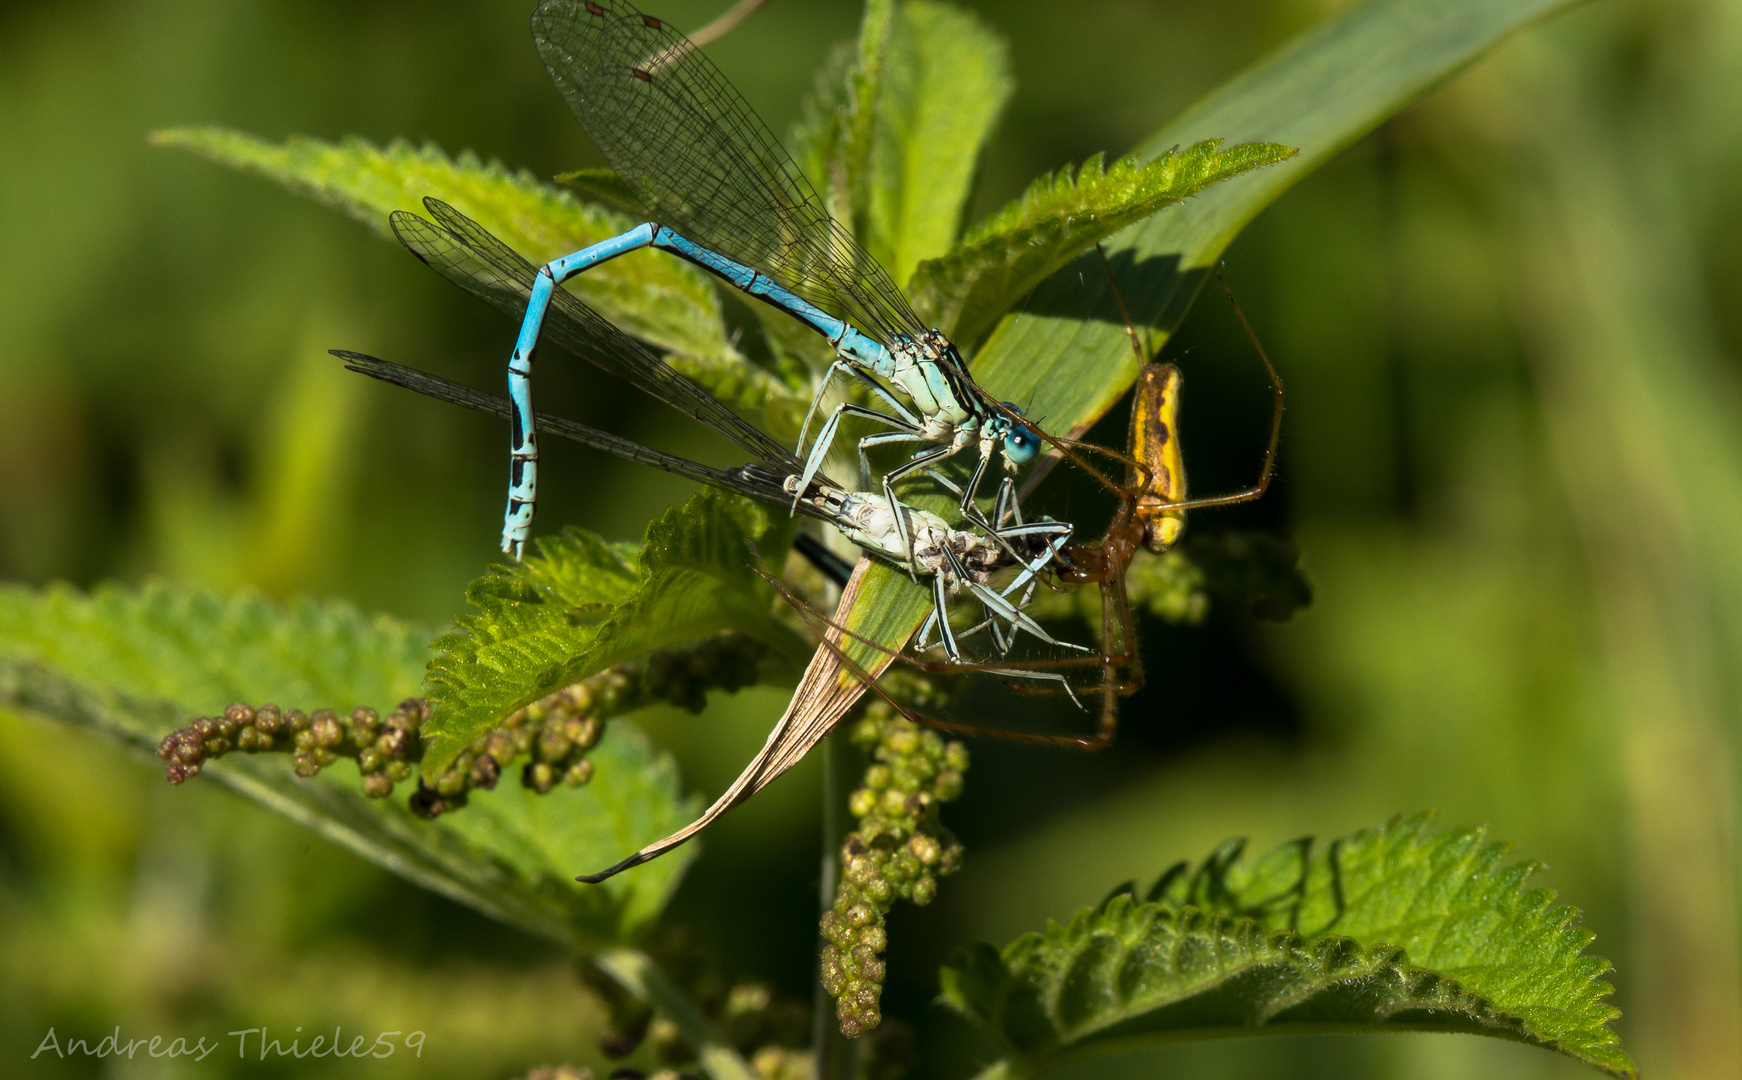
(1316, 97)
(131, 663)
(893, 130)
(188, 649)
(581, 605)
(665, 301)
(1392, 927)
(1001, 259)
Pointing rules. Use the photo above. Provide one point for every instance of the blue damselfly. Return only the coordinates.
(724, 194)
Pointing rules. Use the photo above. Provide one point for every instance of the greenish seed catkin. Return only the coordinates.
(898, 851)
(552, 735)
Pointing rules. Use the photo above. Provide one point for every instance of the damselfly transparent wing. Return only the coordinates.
(760, 484)
(755, 481)
(703, 163)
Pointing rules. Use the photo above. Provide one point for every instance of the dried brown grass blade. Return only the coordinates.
(821, 700)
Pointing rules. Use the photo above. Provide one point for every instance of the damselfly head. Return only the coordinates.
(1021, 444)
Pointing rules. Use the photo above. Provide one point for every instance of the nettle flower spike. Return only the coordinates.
(548, 740)
(898, 851)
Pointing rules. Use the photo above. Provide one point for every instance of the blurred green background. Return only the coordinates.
(1513, 461)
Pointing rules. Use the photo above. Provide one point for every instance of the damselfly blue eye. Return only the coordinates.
(1021, 444)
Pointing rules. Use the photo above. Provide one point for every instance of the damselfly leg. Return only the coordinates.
(830, 634)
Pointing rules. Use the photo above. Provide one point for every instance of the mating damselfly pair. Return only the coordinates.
(722, 193)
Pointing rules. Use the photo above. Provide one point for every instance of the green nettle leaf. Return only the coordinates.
(819, 145)
(1065, 356)
(200, 650)
(851, 172)
(834, 136)
(818, 139)
(902, 171)
(134, 664)
(655, 297)
(1066, 349)
(1004, 257)
(944, 83)
(1394, 928)
(581, 605)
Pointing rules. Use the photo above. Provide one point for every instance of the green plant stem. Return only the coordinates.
(636, 972)
(837, 1057)
(726, 22)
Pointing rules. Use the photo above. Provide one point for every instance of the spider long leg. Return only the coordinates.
(1279, 396)
(1113, 599)
(1257, 490)
(1019, 673)
(1137, 345)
